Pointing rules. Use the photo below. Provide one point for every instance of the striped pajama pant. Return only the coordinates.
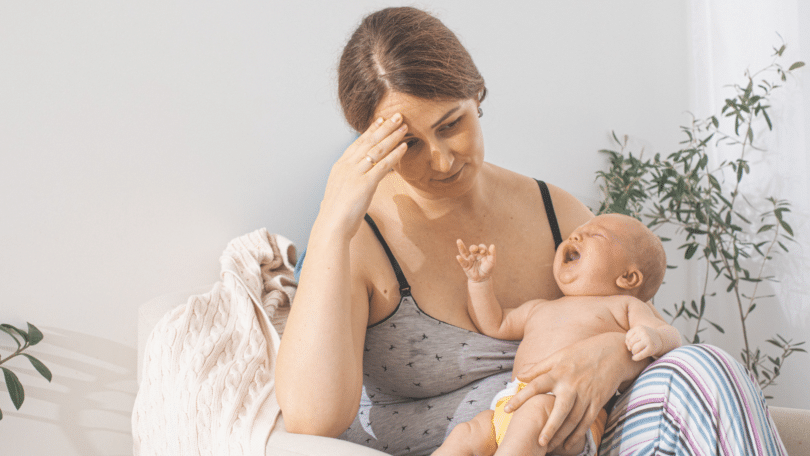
(697, 401)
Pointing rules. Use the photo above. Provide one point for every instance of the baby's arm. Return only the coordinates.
(648, 335)
(486, 312)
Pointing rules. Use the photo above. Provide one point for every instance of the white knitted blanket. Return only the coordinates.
(208, 374)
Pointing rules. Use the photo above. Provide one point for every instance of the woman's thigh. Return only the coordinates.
(696, 400)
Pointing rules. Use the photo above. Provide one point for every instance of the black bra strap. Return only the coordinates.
(404, 287)
(552, 217)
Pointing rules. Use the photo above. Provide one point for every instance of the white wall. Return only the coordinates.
(138, 138)
(730, 36)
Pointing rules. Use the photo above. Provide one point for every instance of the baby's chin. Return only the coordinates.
(567, 284)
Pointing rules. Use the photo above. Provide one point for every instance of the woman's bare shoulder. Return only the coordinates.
(571, 212)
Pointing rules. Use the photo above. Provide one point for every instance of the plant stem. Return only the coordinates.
(15, 354)
(733, 270)
(705, 277)
(762, 267)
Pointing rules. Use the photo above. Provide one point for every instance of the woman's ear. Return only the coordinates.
(631, 279)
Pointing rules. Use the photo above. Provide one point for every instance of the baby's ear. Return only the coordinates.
(631, 279)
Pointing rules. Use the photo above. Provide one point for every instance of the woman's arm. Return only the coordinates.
(319, 369)
(583, 376)
(320, 361)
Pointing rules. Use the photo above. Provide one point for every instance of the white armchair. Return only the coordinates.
(793, 424)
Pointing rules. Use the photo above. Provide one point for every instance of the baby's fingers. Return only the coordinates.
(462, 249)
(464, 262)
(641, 351)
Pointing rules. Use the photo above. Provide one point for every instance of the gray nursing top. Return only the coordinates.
(423, 376)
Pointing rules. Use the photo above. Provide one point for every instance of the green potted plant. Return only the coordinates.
(734, 234)
(24, 340)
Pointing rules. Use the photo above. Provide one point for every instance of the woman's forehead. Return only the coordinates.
(411, 106)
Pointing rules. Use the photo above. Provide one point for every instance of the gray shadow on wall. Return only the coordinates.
(93, 390)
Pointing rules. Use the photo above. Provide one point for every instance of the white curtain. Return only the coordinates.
(728, 37)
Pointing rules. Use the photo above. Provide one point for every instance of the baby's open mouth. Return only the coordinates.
(570, 254)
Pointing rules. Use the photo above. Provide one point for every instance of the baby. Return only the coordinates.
(617, 264)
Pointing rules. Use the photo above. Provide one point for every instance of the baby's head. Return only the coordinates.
(611, 254)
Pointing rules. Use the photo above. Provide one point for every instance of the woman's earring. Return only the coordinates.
(480, 112)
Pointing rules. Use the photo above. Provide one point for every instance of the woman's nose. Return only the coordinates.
(441, 158)
(576, 236)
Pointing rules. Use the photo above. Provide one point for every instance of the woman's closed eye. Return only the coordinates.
(451, 125)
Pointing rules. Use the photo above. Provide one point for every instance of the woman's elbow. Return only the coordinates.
(300, 423)
(304, 415)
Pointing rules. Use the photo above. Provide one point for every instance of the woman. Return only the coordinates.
(379, 348)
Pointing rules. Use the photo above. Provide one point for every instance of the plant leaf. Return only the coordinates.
(19, 331)
(34, 334)
(11, 333)
(44, 371)
(15, 388)
(717, 327)
(767, 119)
(796, 65)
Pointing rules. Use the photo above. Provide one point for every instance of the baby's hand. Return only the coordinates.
(643, 342)
(477, 261)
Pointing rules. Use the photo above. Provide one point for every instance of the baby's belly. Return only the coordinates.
(535, 347)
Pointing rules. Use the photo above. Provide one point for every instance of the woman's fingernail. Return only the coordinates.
(380, 120)
(397, 117)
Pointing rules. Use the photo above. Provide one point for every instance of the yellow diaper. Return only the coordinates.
(501, 419)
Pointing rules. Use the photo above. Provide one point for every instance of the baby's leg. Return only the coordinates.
(524, 430)
(473, 438)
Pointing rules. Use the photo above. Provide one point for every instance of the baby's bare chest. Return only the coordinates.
(557, 324)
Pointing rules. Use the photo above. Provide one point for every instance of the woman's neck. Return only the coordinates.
(430, 207)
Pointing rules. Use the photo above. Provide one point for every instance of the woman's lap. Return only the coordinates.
(696, 400)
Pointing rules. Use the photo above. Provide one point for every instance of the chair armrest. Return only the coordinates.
(150, 313)
(794, 429)
(283, 443)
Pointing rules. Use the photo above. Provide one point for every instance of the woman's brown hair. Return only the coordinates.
(403, 50)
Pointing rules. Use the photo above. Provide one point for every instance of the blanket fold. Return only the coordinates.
(208, 375)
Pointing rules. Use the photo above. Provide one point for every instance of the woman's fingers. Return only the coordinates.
(579, 433)
(387, 145)
(555, 429)
(535, 370)
(380, 169)
(379, 139)
(540, 385)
